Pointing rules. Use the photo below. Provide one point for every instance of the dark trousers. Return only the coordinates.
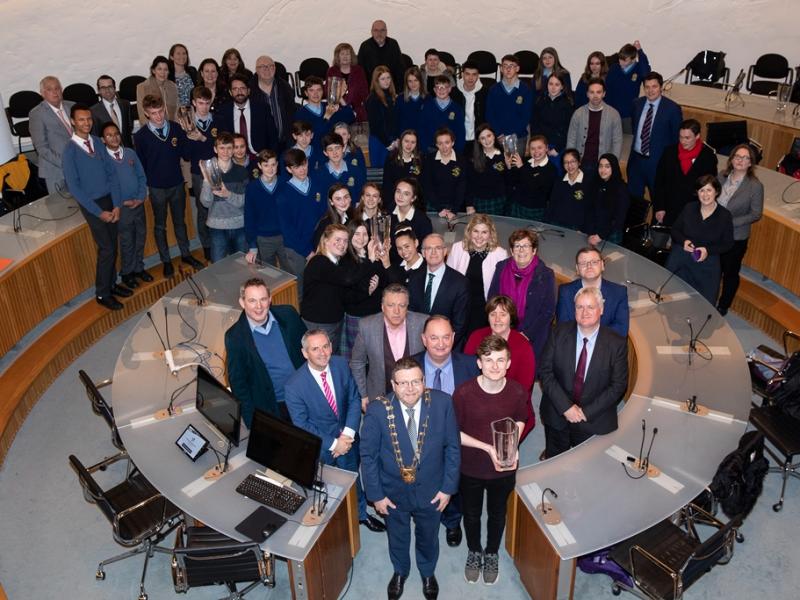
(702, 276)
(132, 232)
(497, 491)
(202, 212)
(426, 532)
(349, 462)
(451, 515)
(731, 263)
(174, 200)
(557, 441)
(105, 236)
(641, 172)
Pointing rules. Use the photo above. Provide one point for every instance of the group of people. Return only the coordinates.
(431, 373)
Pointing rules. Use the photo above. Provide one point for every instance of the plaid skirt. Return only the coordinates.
(490, 206)
(349, 336)
(529, 214)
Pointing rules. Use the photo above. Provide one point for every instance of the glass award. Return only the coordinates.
(186, 118)
(510, 147)
(335, 89)
(505, 436)
(214, 173)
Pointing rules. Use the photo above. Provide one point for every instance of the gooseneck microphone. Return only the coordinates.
(196, 290)
(656, 296)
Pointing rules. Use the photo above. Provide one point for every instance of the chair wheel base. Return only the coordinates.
(142, 596)
(100, 575)
(777, 507)
(616, 590)
(739, 538)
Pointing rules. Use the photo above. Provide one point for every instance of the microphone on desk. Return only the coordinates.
(646, 464)
(694, 339)
(196, 290)
(656, 296)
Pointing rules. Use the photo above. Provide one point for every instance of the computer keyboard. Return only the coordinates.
(269, 494)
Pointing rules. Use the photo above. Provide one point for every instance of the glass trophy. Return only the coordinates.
(186, 118)
(214, 173)
(782, 94)
(510, 147)
(505, 435)
(335, 88)
(381, 226)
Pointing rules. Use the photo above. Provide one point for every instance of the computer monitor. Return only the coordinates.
(284, 448)
(218, 406)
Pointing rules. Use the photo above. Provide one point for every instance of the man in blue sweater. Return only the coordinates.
(132, 183)
(89, 175)
(161, 145)
(510, 102)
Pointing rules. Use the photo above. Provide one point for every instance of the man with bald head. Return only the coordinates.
(380, 49)
(278, 95)
(51, 131)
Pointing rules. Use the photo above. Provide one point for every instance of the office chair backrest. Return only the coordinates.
(101, 407)
(90, 485)
(127, 87)
(21, 103)
(707, 66)
(486, 62)
(528, 61)
(771, 66)
(81, 92)
(716, 548)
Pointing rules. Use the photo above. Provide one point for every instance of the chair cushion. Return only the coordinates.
(780, 429)
(147, 520)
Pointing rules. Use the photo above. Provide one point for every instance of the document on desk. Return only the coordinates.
(201, 483)
(645, 301)
(714, 415)
(560, 533)
(616, 255)
(150, 419)
(664, 480)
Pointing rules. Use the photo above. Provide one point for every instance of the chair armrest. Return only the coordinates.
(123, 455)
(761, 363)
(786, 335)
(138, 506)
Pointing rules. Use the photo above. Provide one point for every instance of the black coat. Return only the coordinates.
(673, 189)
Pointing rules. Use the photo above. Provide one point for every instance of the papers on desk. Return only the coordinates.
(201, 483)
(684, 350)
(714, 415)
(645, 302)
(178, 355)
(560, 533)
(665, 481)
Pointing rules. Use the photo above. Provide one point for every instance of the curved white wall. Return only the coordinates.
(78, 40)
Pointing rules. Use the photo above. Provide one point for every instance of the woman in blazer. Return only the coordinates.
(743, 196)
(476, 257)
(158, 84)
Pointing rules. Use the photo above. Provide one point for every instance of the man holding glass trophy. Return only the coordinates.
(491, 411)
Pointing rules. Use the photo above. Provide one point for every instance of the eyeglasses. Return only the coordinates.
(521, 246)
(741, 157)
(407, 384)
(589, 263)
(570, 162)
(433, 249)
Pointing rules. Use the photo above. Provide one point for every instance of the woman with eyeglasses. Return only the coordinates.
(743, 195)
(530, 284)
(569, 204)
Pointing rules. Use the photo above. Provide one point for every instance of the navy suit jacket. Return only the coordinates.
(452, 298)
(310, 410)
(465, 367)
(263, 133)
(440, 462)
(248, 377)
(615, 308)
(666, 123)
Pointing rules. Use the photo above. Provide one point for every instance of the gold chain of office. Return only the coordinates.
(409, 474)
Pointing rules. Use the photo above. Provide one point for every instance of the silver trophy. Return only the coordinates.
(505, 435)
(214, 173)
(381, 227)
(186, 118)
(335, 87)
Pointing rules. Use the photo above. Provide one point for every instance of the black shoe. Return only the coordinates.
(722, 311)
(373, 524)
(543, 455)
(430, 587)
(454, 536)
(109, 302)
(118, 290)
(395, 588)
(207, 253)
(169, 270)
(144, 276)
(192, 262)
(129, 280)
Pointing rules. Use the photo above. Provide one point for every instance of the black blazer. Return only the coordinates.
(673, 189)
(452, 298)
(100, 117)
(286, 105)
(604, 386)
(263, 132)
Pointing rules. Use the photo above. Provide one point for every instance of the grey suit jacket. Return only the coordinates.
(366, 362)
(745, 206)
(610, 130)
(49, 137)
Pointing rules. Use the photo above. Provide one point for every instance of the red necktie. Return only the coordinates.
(117, 156)
(326, 389)
(88, 144)
(580, 375)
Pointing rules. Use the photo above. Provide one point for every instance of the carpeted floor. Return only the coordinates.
(52, 539)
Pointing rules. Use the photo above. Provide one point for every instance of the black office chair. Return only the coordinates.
(140, 517)
(488, 68)
(769, 369)
(407, 63)
(722, 136)
(127, 92)
(772, 67)
(450, 61)
(708, 69)
(282, 73)
(81, 92)
(20, 105)
(665, 560)
(100, 406)
(203, 556)
(310, 66)
(528, 61)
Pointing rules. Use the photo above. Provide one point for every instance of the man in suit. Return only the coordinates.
(110, 110)
(51, 131)
(584, 374)
(278, 95)
(589, 265)
(439, 289)
(655, 122)
(383, 339)
(322, 398)
(595, 128)
(445, 371)
(251, 119)
(262, 351)
(410, 459)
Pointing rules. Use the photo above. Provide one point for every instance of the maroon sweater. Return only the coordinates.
(475, 411)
